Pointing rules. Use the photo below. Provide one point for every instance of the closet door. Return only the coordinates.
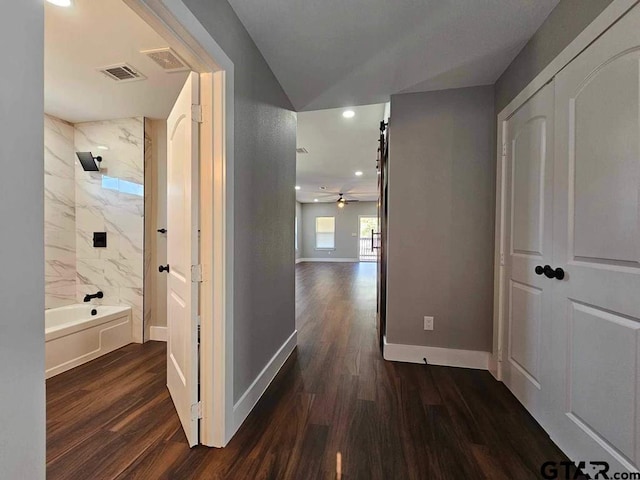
(596, 306)
(529, 191)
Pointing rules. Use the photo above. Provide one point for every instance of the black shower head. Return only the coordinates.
(89, 162)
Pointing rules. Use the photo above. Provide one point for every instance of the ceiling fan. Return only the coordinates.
(343, 201)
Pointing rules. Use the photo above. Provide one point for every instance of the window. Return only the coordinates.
(296, 232)
(325, 233)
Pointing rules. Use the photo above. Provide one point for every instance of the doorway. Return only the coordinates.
(367, 230)
(204, 420)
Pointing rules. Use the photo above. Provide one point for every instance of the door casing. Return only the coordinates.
(186, 35)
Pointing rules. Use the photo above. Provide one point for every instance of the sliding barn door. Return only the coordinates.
(182, 255)
(596, 306)
(383, 169)
(529, 187)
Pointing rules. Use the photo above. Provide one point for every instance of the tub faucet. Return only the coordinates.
(88, 298)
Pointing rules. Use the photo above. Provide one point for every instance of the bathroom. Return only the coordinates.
(108, 92)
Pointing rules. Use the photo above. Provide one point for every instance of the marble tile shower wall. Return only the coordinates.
(112, 201)
(59, 213)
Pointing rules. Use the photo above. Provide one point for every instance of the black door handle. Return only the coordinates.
(162, 230)
(549, 272)
(163, 268)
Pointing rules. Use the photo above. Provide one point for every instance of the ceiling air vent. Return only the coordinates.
(301, 150)
(167, 59)
(122, 73)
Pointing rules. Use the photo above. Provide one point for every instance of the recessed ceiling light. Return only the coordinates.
(323, 188)
(102, 147)
(60, 3)
(315, 199)
(297, 187)
(348, 114)
(358, 173)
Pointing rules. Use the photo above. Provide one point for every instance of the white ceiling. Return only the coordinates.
(98, 33)
(338, 147)
(337, 53)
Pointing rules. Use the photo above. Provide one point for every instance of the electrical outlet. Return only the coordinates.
(428, 323)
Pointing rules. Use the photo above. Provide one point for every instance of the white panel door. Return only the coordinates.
(182, 254)
(596, 307)
(529, 191)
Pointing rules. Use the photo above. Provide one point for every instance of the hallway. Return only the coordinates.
(335, 406)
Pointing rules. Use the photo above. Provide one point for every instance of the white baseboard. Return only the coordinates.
(447, 357)
(159, 334)
(495, 367)
(329, 259)
(243, 407)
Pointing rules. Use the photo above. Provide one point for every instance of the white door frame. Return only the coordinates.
(602, 22)
(186, 35)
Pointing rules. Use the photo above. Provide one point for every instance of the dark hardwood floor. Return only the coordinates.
(336, 410)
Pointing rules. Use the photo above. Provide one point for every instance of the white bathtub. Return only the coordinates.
(73, 336)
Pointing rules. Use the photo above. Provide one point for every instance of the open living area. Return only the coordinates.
(286, 239)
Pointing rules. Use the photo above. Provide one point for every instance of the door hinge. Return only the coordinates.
(196, 410)
(196, 113)
(196, 273)
(504, 149)
(499, 354)
(501, 259)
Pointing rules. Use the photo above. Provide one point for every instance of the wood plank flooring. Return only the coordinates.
(336, 410)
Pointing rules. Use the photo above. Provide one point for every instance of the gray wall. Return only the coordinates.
(156, 298)
(441, 218)
(562, 25)
(22, 407)
(299, 220)
(346, 226)
(264, 202)
(155, 217)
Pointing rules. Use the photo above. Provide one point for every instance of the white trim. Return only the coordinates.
(610, 15)
(250, 398)
(158, 334)
(494, 367)
(328, 259)
(448, 357)
(183, 31)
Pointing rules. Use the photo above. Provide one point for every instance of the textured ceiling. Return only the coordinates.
(336, 53)
(98, 33)
(338, 147)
